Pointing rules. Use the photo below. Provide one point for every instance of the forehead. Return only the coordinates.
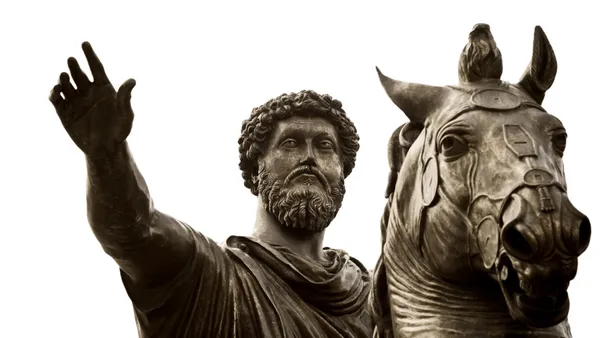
(309, 126)
(529, 118)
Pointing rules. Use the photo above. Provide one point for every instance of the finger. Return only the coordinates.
(81, 80)
(66, 86)
(124, 96)
(59, 104)
(95, 65)
(57, 101)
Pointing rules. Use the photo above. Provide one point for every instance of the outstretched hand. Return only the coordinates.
(96, 117)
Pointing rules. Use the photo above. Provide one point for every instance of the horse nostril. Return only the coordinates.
(585, 233)
(517, 242)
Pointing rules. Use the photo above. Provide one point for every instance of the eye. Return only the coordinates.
(289, 143)
(559, 141)
(325, 144)
(453, 147)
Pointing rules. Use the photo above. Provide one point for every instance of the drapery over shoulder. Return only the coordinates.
(249, 288)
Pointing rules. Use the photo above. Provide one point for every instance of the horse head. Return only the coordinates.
(477, 186)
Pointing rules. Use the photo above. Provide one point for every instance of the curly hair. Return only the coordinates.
(257, 129)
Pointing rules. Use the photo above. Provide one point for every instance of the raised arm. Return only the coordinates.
(149, 246)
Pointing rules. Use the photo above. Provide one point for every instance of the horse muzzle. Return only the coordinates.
(540, 226)
(541, 238)
(527, 294)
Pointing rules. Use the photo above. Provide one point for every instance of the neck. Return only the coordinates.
(422, 304)
(267, 228)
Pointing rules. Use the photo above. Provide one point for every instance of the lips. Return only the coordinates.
(542, 304)
(533, 310)
(307, 179)
(309, 175)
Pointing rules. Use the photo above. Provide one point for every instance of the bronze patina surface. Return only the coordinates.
(295, 152)
(480, 238)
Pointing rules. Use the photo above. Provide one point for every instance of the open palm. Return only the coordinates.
(96, 117)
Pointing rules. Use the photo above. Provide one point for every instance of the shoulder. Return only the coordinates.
(350, 261)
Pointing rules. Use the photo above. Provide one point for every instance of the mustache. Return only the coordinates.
(308, 170)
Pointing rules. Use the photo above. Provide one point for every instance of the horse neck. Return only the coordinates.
(423, 304)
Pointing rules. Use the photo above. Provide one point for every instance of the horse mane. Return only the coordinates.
(398, 145)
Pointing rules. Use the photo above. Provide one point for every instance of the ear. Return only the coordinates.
(400, 142)
(539, 75)
(417, 101)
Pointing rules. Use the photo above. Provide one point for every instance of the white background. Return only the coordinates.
(200, 70)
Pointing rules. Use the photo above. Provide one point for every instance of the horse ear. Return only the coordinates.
(539, 75)
(400, 142)
(417, 101)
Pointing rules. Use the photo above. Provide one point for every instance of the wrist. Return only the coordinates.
(106, 161)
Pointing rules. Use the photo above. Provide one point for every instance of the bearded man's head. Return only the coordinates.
(295, 152)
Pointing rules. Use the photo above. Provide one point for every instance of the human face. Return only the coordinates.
(301, 174)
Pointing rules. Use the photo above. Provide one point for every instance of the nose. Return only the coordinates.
(309, 157)
(582, 236)
(519, 241)
(527, 234)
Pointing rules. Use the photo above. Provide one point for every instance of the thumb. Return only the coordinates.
(124, 96)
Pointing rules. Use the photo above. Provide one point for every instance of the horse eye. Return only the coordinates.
(559, 140)
(453, 147)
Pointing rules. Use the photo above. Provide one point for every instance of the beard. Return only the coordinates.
(300, 207)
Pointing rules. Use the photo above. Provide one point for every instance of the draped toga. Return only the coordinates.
(249, 288)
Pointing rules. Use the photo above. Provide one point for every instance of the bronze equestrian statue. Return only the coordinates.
(479, 236)
(295, 152)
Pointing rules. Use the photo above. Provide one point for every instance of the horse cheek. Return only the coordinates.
(454, 179)
(446, 241)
